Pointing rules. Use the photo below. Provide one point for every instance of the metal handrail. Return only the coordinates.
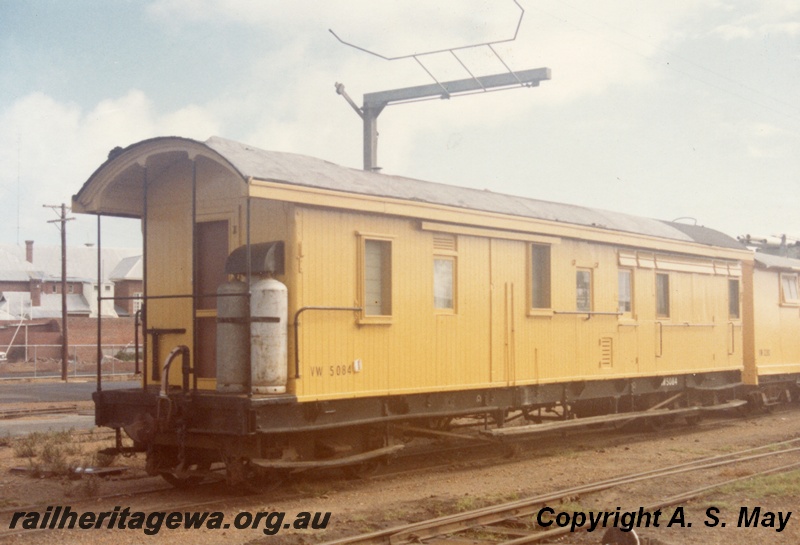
(687, 324)
(185, 369)
(297, 331)
(588, 313)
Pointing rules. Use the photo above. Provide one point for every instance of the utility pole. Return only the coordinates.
(63, 219)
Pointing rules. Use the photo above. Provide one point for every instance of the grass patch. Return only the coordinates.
(769, 486)
(53, 453)
(470, 503)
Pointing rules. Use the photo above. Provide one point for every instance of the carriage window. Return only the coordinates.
(540, 276)
(733, 298)
(789, 291)
(377, 277)
(444, 274)
(583, 290)
(625, 290)
(662, 295)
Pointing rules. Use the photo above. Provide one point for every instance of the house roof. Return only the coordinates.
(129, 268)
(51, 306)
(17, 304)
(123, 175)
(16, 269)
(81, 262)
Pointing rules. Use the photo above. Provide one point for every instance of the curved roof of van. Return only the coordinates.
(294, 169)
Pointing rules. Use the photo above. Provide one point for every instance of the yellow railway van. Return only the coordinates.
(300, 314)
(772, 342)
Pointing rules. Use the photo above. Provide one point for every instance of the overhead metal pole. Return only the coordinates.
(374, 103)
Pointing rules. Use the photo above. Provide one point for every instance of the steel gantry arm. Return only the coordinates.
(374, 103)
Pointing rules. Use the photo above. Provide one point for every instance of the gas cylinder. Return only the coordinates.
(233, 365)
(269, 307)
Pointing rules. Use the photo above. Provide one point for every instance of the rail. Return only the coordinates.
(451, 525)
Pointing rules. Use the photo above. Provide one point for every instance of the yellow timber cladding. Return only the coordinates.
(490, 335)
(171, 273)
(775, 345)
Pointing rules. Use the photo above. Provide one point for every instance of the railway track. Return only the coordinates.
(517, 522)
(464, 457)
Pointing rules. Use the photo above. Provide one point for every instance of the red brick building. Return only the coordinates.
(31, 298)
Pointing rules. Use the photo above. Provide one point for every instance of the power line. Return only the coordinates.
(675, 56)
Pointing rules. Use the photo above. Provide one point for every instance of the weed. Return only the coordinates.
(572, 506)
(723, 506)
(467, 503)
(90, 486)
(769, 486)
(101, 459)
(28, 446)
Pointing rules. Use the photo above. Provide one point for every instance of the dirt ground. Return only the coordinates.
(450, 483)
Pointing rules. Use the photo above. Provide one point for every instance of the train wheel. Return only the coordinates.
(656, 423)
(265, 480)
(363, 470)
(440, 424)
(249, 478)
(693, 420)
(185, 480)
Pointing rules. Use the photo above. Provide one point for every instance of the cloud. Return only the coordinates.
(768, 141)
(391, 27)
(587, 44)
(56, 146)
(760, 19)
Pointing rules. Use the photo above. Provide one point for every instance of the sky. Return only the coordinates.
(679, 109)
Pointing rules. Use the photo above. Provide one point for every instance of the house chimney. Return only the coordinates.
(29, 251)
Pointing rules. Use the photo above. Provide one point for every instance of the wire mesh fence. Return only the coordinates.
(44, 360)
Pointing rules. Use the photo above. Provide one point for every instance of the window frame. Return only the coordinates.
(365, 317)
(626, 314)
(453, 283)
(590, 289)
(789, 299)
(138, 301)
(737, 315)
(668, 313)
(540, 298)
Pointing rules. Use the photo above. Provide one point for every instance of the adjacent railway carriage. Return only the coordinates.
(771, 342)
(300, 314)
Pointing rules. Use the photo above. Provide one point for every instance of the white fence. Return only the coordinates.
(38, 361)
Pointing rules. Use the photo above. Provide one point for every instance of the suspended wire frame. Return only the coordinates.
(374, 103)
